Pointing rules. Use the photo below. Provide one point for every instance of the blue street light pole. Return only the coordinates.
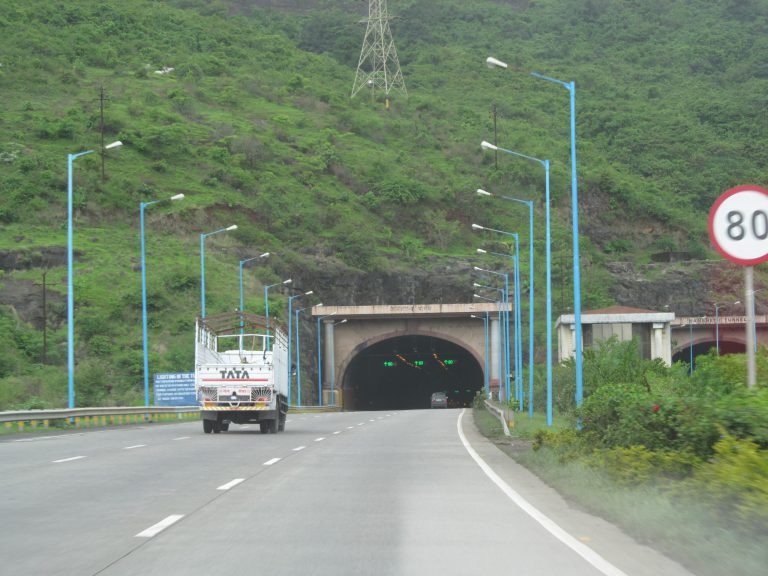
(242, 264)
(529, 204)
(70, 275)
(202, 264)
(571, 87)
(320, 360)
(501, 339)
(506, 300)
(485, 328)
(266, 304)
(298, 354)
(545, 164)
(290, 324)
(518, 337)
(142, 206)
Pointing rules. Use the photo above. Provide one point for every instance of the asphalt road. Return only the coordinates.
(380, 493)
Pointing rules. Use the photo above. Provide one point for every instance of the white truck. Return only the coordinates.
(241, 372)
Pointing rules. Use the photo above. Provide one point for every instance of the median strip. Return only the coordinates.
(160, 526)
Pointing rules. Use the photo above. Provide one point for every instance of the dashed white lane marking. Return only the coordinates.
(320, 439)
(48, 437)
(183, 438)
(337, 432)
(160, 526)
(299, 448)
(68, 459)
(371, 420)
(360, 423)
(549, 525)
(134, 446)
(350, 427)
(231, 484)
(273, 461)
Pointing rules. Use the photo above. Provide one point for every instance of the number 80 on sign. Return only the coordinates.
(738, 225)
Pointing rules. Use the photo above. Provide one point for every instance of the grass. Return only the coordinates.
(680, 527)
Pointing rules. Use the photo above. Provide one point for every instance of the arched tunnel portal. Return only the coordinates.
(403, 372)
(704, 347)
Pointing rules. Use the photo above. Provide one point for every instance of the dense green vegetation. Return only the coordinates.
(255, 125)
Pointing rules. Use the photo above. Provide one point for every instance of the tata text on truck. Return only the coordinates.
(241, 372)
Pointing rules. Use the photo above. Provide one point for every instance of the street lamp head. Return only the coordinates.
(341, 321)
(481, 251)
(476, 285)
(115, 144)
(266, 254)
(308, 293)
(233, 227)
(177, 197)
(288, 281)
(494, 63)
(488, 146)
(479, 269)
(477, 227)
(481, 192)
(318, 305)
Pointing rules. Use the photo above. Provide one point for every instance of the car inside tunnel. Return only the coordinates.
(402, 373)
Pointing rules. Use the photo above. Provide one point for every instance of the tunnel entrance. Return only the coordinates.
(402, 373)
(704, 348)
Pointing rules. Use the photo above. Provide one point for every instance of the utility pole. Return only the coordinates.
(45, 318)
(102, 97)
(378, 66)
(495, 139)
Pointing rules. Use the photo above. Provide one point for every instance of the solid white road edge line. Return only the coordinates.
(160, 526)
(299, 448)
(550, 526)
(183, 438)
(134, 446)
(68, 459)
(273, 461)
(231, 484)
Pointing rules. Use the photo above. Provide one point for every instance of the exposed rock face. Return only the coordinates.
(687, 288)
(25, 297)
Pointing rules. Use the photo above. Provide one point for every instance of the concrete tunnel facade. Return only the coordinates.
(394, 357)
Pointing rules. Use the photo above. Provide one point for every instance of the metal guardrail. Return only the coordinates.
(104, 412)
(499, 413)
(112, 412)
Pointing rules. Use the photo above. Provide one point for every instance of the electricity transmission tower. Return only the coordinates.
(378, 67)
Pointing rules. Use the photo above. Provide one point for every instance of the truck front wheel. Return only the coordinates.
(207, 426)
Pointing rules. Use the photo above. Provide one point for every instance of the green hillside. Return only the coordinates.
(255, 125)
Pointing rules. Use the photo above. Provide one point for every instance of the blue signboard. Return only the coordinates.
(175, 389)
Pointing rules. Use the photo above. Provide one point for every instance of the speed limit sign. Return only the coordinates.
(738, 225)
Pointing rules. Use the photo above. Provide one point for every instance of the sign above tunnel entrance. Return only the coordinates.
(405, 310)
